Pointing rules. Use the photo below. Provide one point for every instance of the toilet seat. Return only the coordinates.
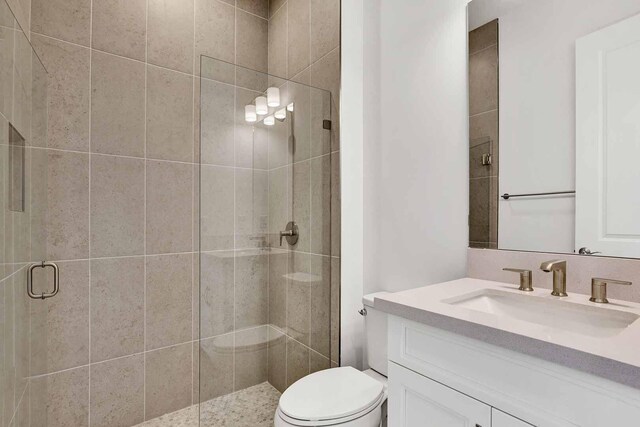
(330, 397)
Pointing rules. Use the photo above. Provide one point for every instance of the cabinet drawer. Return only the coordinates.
(500, 419)
(418, 401)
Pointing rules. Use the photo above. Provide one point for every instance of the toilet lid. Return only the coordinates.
(330, 394)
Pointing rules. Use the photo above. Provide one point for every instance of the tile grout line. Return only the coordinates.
(235, 198)
(144, 231)
(90, 159)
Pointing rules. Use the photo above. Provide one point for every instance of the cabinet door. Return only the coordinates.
(416, 401)
(500, 419)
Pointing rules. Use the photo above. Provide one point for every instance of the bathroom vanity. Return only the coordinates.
(479, 353)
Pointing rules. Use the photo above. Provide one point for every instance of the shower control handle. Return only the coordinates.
(290, 233)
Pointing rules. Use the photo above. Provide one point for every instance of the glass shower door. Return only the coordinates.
(23, 219)
(265, 241)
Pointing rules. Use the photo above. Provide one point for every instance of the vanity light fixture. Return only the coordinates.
(250, 115)
(261, 106)
(281, 114)
(273, 97)
(290, 107)
(269, 121)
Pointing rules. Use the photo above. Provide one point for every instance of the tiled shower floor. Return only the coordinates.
(251, 407)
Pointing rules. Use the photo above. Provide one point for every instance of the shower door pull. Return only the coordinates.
(56, 280)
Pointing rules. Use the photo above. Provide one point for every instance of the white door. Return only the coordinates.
(500, 419)
(608, 140)
(416, 401)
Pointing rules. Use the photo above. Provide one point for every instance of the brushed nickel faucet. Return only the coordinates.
(599, 289)
(525, 279)
(559, 269)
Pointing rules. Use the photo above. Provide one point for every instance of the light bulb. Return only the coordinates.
(281, 114)
(261, 106)
(269, 121)
(290, 107)
(250, 113)
(273, 97)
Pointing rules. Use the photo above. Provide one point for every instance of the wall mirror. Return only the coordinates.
(554, 126)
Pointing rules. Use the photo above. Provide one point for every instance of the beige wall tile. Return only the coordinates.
(277, 57)
(318, 362)
(215, 30)
(252, 207)
(336, 201)
(251, 288)
(170, 34)
(300, 95)
(277, 368)
(275, 5)
(68, 92)
(251, 352)
(169, 301)
(168, 380)
(483, 37)
(6, 67)
(117, 307)
(297, 361)
(118, 105)
(67, 20)
(169, 115)
(67, 399)
(22, 332)
(320, 106)
(8, 369)
(280, 206)
(335, 309)
(68, 225)
(257, 7)
(217, 123)
(251, 41)
(278, 268)
(117, 392)
(217, 208)
(169, 207)
(298, 55)
(325, 74)
(216, 367)
(117, 206)
(119, 27)
(216, 295)
(325, 27)
(320, 326)
(320, 218)
(301, 203)
(298, 298)
(483, 81)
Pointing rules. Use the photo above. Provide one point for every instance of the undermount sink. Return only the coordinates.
(550, 312)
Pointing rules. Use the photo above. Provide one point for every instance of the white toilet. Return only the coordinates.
(343, 396)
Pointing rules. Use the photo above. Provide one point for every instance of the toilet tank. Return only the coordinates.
(375, 326)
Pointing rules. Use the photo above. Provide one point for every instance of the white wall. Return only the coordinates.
(415, 150)
(537, 112)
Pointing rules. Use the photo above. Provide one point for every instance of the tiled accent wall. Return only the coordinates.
(483, 136)
(123, 154)
(23, 104)
(488, 264)
(304, 46)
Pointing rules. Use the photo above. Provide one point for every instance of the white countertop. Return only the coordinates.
(616, 357)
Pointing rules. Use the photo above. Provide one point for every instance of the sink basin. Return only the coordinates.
(589, 320)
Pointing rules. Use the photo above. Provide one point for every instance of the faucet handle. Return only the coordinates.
(599, 289)
(525, 279)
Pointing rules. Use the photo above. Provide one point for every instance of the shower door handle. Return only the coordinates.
(56, 280)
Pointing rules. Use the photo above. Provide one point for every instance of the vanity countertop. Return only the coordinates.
(614, 356)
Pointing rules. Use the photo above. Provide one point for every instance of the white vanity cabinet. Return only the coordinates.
(419, 401)
(441, 379)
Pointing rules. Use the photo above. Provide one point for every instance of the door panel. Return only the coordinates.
(608, 140)
(419, 401)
